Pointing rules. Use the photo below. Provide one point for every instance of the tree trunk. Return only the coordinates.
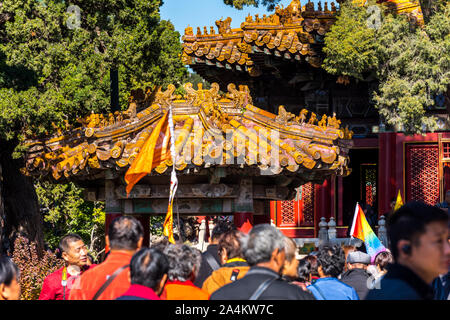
(19, 207)
(429, 7)
(2, 216)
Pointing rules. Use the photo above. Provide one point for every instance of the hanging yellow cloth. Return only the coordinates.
(154, 151)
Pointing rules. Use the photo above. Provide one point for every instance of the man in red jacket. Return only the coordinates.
(57, 285)
(111, 279)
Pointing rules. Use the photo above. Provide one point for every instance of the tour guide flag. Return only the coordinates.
(362, 230)
(154, 151)
(399, 201)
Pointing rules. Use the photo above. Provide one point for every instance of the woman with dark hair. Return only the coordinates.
(313, 266)
(234, 266)
(148, 275)
(9, 279)
(382, 260)
(347, 249)
(331, 261)
(304, 273)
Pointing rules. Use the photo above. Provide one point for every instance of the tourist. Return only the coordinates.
(446, 203)
(331, 264)
(290, 267)
(148, 272)
(234, 266)
(304, 273)
(392, 203)
(58, 284)
(356, 275)
(111, 278)
(418, 236)
(210, 258)
(264, 251)
(312, 259)
(441, 287)
(184, 263)
(381, 262)
(9, 279)
(347, 249)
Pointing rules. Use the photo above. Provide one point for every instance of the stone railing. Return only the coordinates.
(327, 234)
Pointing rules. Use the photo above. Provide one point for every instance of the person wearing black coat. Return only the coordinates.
(418, 234)
(210, 258)
(356, 275)
(264, 252)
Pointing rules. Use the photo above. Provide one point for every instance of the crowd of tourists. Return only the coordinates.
(261, 264)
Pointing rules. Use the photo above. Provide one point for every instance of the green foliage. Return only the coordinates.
(65, 211)
(239, 4)
(350, 44)
(412, 64)
(51, 71)
(33, 269)
(156, 225)
(195, 79)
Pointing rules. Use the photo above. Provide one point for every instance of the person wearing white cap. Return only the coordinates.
(356, 275)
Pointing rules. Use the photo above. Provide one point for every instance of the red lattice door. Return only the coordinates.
(422, 178)
(299, 211)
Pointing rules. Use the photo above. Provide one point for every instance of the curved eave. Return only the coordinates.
(210, 130)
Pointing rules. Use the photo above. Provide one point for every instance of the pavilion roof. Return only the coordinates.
(291, 33)
(211, 130)
(294, 34)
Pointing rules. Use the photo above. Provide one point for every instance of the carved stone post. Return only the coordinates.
(210, 227)
(323, 234)
(332, 229)
(201, 235)
(113, 208)
(382, 231)
(243, 206)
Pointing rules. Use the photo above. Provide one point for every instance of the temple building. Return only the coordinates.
(279, 58)
(275, 139)
(232, 157)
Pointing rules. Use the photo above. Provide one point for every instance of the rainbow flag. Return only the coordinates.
(362, 230)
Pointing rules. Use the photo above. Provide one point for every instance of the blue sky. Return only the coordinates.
(199, 13)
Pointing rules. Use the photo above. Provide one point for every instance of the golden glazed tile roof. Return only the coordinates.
(210, 130)
(289, 33)
(294, 33)
(408, 7)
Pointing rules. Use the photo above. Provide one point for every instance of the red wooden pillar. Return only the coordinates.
(243, 206)
(113, 208)
(243, 221)
(145, 221)
(324, 202)
(108, 218)
(340, 201)
(273, 212)
(261, 219)
(387, 186)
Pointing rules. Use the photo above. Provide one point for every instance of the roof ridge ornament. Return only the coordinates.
(224, 26)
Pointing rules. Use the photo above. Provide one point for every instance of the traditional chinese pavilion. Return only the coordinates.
(279, 58)
(273, 135)
(232, 157)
